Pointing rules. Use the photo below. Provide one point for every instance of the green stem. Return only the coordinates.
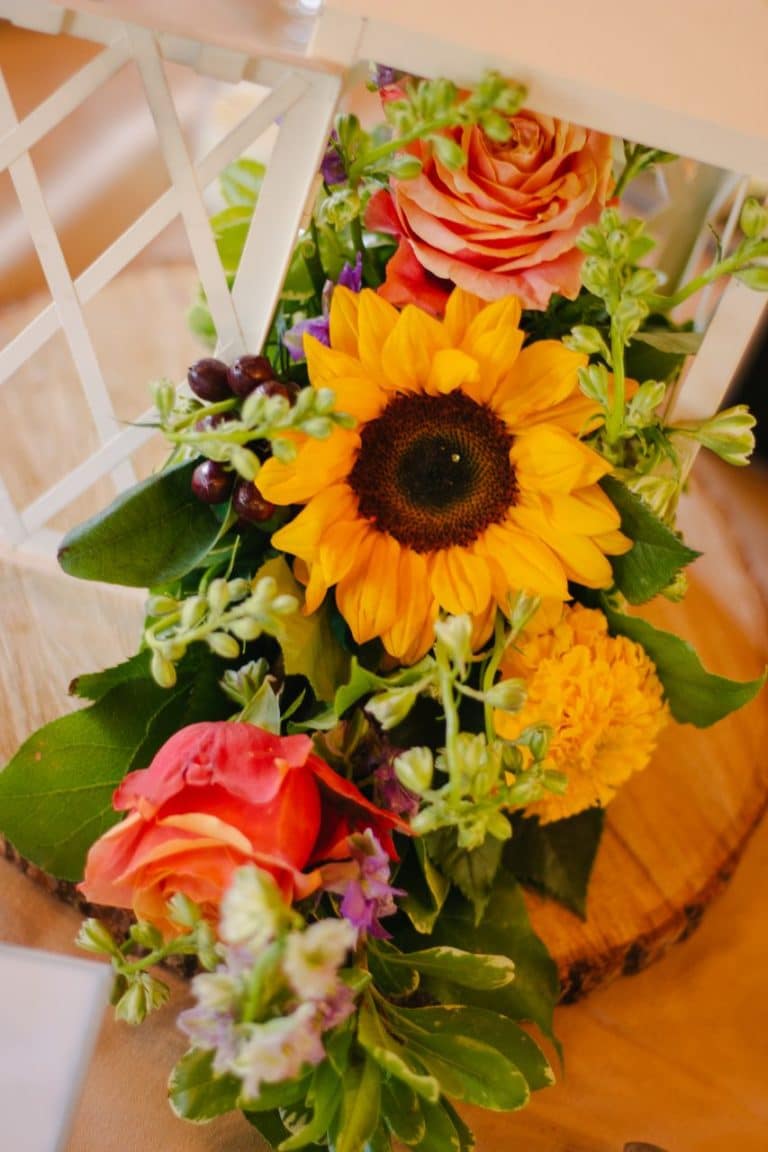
(489, 676)
(614, 420)
(445, 683)
(317, 273)
(397, 144)
(725, 267)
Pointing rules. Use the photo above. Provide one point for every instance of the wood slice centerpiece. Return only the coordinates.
(674, 833)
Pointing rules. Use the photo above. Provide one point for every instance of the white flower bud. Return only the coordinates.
(508, 695)
(219, 595)
(414, 769)
(223, 645)
(163, 672)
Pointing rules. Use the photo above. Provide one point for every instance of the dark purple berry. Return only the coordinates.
(209, 381)
(249, 504)
(247, 372)
(285, 388)
(211, 482)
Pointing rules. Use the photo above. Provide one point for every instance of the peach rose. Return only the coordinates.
(504, 224)
(215, 797)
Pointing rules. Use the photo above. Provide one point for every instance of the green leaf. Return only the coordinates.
(309, 646)
(359, 683)
(694, 695)
(56, 792)
(504, 930)
(382, 1047)
(196, 1092)
(241, 182)
(270, 1126)
(401, 1111)
(426, 886)
(467, 969)
(668, 340)
(326, 1099)
(472, 871)
(148, 536)
(359, 1106)
(463, 1131)
(557, 858)
(466, 1067)
(285, 1094)
(657, 554)
(94, 685)
(441, 1131)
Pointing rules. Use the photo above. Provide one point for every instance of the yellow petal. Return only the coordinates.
(582, 559)
(409, 349)
(342, 320)
(367, 596)
(325, 364)
(302, 536)
(461, 309)
(376, 319)
(460, 580)
(520, 562)
(547, 459)
(544, 374)
(413, 631)
(451, 369)
(318, 464)
(613, 543)
(358, 396)
(494, 340)
(579, 514)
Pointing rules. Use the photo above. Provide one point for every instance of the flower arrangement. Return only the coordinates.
(392, 561)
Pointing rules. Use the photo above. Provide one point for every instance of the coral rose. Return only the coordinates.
(505, 223)
(218, 796)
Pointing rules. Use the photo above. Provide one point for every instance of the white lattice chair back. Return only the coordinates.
(689, 77)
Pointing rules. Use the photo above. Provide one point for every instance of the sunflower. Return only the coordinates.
(462, 481)
(601, 696)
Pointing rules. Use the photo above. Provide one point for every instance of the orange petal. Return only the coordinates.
(544, 374)
(460, 580)
(318, 464)
(547, 459)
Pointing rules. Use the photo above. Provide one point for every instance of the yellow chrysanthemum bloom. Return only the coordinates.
(601, 696)
(462, 480)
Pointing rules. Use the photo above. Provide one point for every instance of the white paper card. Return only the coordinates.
(51, 1007)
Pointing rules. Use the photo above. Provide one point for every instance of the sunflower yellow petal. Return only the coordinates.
(545, 374)
(613, 543)
(578, 514)
(548, 459)
(413, 631)
(581, 557)
(367, 601)
(460, 310)
(460, 581)
(302, 535)
(451, 369)
(494, 340)
(342, 320)
(325, 364)
(318, 464)
(520, 562)
(408, 351)
(358, 396)
(375, 321)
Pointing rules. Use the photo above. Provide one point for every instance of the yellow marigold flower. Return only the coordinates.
(601, 696)
(462, 481)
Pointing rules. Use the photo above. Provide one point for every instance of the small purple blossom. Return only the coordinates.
(364, 885)
(351, 277)
(391, 794)
(332, 167)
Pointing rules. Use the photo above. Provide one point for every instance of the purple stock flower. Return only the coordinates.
(391, 794)
(351, 277)
(332, 167)
(363, 883)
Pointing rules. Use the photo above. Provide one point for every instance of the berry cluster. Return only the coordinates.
(212, 381)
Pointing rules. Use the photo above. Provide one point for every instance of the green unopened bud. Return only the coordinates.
(405, 167)
(183, 911)
(325, 398)
(156, 992)
(755, 277)
(496, 127)
(145, 935)
(415, 769)
(729, 434)
(285, 604)
(193, 610)
(244, 462)
(455, 634)
(508, 695)
(591, 241)
(594, 275)
(498, 826)
(163, 671)
(391, 708)
(753, 220)
(223, 645)
(161, 605)
(218, 595)
(658, 492)
(677, 590)
(319, 427)
(593, 382)
(448, 152)
(616, 241)
(643, 281)
(584, 338)
(96, 937)
(284, 450)
(246, 629)
(172, 650)
(522, 608)
(644, 403)
(239, 588)
(132, 1007)
(163, 397)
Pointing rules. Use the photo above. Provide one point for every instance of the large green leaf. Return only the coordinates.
(504, 930)
(94, 685)
(402, 1111)
(360, 1102)
(467, 969)
(56, 792)
(426, 886)
(471, 870)
(466, 1067)
(150, 535)
(393, 1057)
(444, 1131)
(557, 858)
(196, 1092)
(695, 696)
(325, 1101)
(657, 554)
(309, 647)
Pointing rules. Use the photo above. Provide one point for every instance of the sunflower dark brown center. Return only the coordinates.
(434, 471)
